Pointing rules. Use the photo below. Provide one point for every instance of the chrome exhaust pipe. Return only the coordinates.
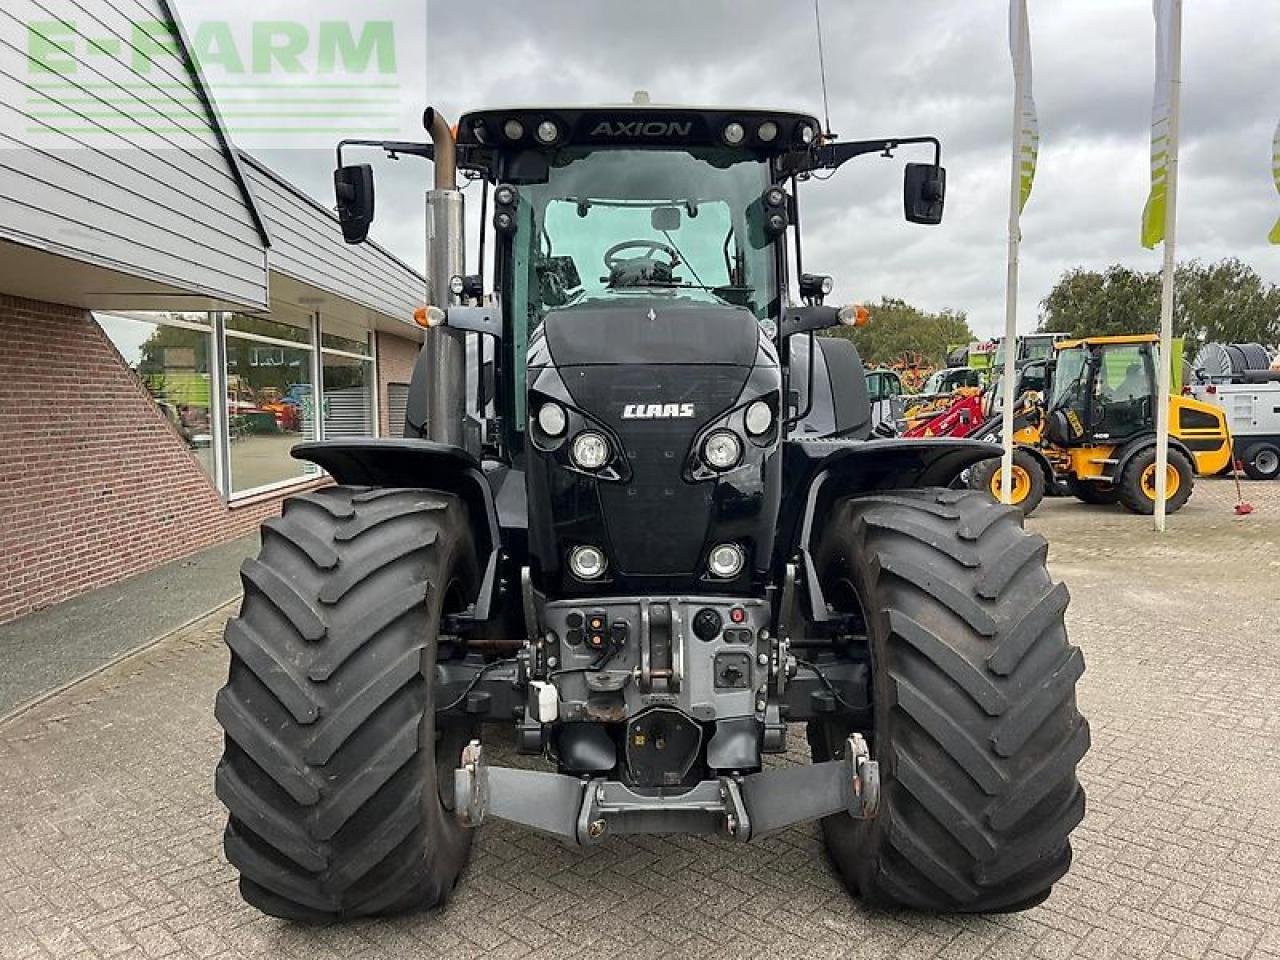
(446, 348)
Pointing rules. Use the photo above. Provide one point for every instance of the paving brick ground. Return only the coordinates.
(109, 831)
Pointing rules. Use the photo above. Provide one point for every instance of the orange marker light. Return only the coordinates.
(854, 315)
(429, 317)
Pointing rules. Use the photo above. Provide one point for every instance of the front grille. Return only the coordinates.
(658, 521)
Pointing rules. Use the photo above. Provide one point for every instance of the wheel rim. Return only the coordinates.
(1173, 480)
(446, 765)
(1020, 487)
(1267, 461)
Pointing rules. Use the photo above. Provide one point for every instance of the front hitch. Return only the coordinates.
(746, 807)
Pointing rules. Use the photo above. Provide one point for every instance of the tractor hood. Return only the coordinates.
(644, 330)
(654, 375)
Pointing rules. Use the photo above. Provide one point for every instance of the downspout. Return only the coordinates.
(446, 349)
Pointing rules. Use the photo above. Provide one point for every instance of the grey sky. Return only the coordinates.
(902, 68)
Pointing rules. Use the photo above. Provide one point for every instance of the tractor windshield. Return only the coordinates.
(613, 223)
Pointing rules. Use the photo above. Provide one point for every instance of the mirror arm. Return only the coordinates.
(807, 319)
(834, 155)
(393, 148)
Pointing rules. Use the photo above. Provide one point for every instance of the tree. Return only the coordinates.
(897, 328)
(1226, 301)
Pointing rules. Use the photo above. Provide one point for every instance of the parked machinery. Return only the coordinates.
(663, 539)
(1095, 430)
(1244, 381)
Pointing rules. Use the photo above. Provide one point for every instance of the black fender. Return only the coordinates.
(819, 472)
(1135, 445)
(422, 464)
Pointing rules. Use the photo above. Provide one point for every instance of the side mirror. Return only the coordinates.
(353, 188)
(924, 191)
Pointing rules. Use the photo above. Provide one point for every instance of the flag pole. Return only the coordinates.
(1166, 289)
(1018, 30)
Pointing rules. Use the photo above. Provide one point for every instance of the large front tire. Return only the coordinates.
(973, 688)
(1137, 484)
(334, 774)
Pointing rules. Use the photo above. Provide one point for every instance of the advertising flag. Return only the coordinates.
(1154, 214)
(1029, 129)
(1275, 174)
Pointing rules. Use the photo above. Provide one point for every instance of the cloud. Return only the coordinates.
(908, 67)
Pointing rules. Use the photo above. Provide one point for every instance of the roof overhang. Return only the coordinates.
(41, 273)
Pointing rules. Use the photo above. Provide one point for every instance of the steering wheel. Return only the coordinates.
(612, 256)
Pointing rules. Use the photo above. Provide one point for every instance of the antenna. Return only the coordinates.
(822, 66)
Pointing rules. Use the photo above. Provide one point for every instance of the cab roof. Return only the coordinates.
(763, 131)
(1101, 341)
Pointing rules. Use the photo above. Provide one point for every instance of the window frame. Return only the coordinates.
(217, 378)
(370, 360)
(219, 333)
(310, 472)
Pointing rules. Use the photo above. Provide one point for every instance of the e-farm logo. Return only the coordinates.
(273, 80)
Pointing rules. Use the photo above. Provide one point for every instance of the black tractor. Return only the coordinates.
(636, 519)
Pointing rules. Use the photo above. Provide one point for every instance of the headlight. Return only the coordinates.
(590, 450)
(768, 131)
(759, 418)
(548, 132)
(726, 561)
(552, 419)
(588, 563)
(722, 450)
(514, 129)
(734, 134)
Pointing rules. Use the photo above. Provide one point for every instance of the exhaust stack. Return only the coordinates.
(446, 348)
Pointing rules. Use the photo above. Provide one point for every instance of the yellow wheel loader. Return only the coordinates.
(1094, 432)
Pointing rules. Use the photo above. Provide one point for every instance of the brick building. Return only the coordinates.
(173, 317)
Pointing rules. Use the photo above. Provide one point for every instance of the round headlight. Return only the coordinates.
(768, 131)
(806, 133)
(759, 418)
(734, 133)
(726, 561)
(827, 286)
(587, 563)
(514, 129)
(722, 450)
(552, 419)
(505, 195)
(775, 197)
(548, 132)
(456, 286)
(590, 450)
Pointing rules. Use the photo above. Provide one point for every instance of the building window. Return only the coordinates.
(348, 404)
(172, 356)
(270, 397)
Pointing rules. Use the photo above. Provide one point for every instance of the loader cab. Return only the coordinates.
(1102, 390)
